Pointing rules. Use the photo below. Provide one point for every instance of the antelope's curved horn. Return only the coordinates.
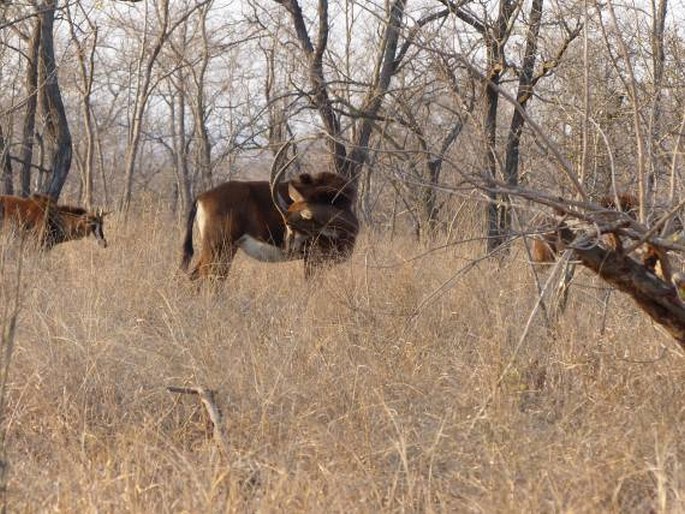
(276, 178)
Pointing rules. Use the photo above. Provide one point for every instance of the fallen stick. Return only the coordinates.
(207, 398)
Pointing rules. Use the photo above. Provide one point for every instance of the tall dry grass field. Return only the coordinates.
(393, 383)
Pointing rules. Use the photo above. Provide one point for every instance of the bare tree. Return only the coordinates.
(145, 83)
(6, 165)
(29, 124)
(347, 160)
(189, 59)
(495, 35)
(85, 53)
(57, 126)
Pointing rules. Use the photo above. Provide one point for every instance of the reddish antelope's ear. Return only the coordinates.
(294, 194)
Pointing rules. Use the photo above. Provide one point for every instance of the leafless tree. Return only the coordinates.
(29, 124)
(349, 158)
(50, 96)
(144, 80)
(6, 165)
(85, 52)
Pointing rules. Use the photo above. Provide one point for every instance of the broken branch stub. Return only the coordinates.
(206, 396)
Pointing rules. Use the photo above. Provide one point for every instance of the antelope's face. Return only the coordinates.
(319, 226)
(319, 220)
(94, 224)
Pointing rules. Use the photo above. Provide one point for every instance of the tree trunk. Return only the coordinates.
(346, 163)
(87, 70)
(57, 124)
(203, 159)
(654, 296)
(525, 92)
(658, 60)
(142, 94)
(320, 96)
(496, 38)
(178, 139)
(29, 124)
(6, 164)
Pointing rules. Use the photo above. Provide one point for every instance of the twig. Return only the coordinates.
(207, 398)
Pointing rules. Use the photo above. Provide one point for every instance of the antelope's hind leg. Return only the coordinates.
(216, 263)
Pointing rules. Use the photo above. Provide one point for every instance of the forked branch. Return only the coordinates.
(207, 397)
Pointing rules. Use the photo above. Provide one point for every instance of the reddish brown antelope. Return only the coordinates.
(48, 223)
(309, 217)
(545, 248)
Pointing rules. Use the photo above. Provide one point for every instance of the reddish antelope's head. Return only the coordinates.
(49, 223)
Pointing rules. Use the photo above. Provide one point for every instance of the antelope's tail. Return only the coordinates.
(188, 241)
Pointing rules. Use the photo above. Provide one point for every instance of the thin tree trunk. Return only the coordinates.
(320, 96)
(142, 94)
(145, 86)
(633, 95)
(496, 38)
(385, 69)
(346, 163)
(87, 76)
(6, 163)
(525, 92)
(658, 59)
(203, 159)
(178, 131)
(29, 124)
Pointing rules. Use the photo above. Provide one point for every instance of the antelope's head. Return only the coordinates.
(87, 223)
(318, 214)
(320, 226)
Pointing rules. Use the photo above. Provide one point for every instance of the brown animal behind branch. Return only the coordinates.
(547, 247)
(48, 223)
(656, 297)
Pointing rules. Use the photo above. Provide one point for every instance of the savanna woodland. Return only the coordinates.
(442, 367)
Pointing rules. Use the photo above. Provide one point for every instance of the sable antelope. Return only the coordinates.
(309, 217)
(546, 247)
(49, 223)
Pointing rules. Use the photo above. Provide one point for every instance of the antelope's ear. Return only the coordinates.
(294, 194)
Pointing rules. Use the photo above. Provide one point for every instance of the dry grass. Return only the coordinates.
(369, 389)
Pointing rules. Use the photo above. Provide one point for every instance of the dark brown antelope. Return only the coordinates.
(309, 217)
(48, 223)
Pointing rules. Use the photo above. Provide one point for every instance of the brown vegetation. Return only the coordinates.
(371, 388)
